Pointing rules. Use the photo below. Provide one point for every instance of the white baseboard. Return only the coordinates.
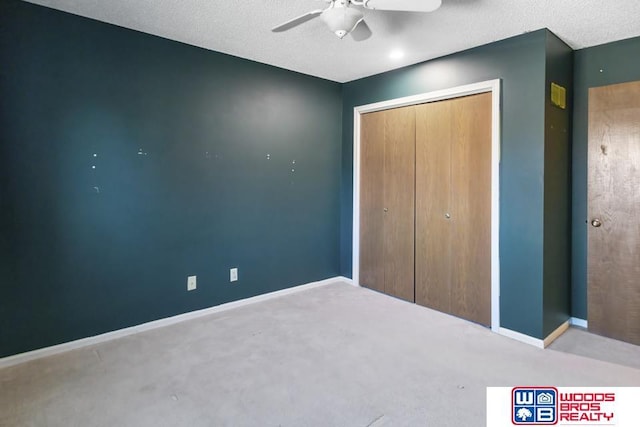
(72, 345)
(518, 336)
(575, 321)
(536, 342)
(349, 281)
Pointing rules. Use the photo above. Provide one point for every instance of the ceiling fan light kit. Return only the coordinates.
(342, 20)
(345, 16)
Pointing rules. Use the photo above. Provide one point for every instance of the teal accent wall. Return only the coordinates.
(617, 62)
(520, 63)
(182, 184)
(557, 188)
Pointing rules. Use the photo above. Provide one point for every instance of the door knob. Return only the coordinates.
(596, 222)
(385, 209)
(447, 215)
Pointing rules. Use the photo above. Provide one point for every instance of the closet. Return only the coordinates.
(425, 204)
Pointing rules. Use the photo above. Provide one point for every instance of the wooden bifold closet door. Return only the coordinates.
(387, 197)
(425, 205)
(453, 207)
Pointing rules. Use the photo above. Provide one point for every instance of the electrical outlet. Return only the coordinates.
(191, 283)
(233, 275)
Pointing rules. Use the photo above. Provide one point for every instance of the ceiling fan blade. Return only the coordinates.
(361, 31)
(404, 5)
(297, 21)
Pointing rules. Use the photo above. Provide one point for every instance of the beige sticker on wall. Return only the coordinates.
(558, 96)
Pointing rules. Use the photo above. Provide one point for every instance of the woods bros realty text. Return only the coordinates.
(584, 406)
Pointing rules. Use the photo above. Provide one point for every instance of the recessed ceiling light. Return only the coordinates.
(396, 54)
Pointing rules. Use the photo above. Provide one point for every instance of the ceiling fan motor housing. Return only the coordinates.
(341, 20)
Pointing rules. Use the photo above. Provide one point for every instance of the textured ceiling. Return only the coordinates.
(242, 28)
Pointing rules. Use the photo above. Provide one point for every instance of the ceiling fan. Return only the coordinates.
(343, 17)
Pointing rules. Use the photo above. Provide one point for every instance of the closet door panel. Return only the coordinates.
(433, 192)
(471, 208)
(371, 200)
(399, 200)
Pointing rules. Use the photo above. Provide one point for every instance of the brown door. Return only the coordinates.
(614, 212)
(471, 208)
(453, 206)
(387, 208)
(433, 205)
(372, 201)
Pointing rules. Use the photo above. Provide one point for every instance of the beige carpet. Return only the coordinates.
(330, 356)
(582, 343)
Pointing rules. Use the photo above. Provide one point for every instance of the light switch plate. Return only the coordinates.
(233, 275)
(191, 283)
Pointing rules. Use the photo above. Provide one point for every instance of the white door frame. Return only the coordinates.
(492, 86)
